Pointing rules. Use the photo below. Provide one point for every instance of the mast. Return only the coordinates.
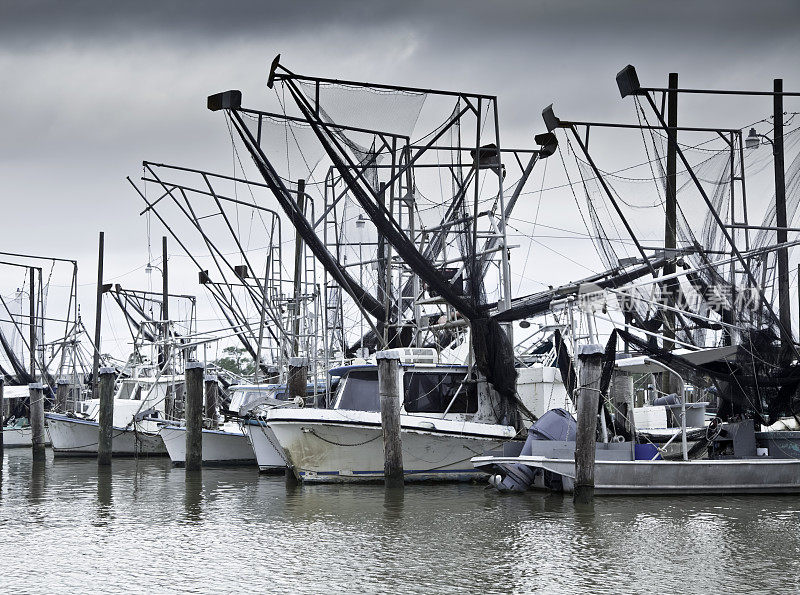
(32, 321)
(671, 208)
(98, 318)
(164, 301)
(784, 307)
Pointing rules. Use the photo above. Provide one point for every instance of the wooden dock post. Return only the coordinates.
(2, 417)
(210, 381)
(37, 419)
(622, 399)
(590, 361)
(297, 380)
(105, 438)
(390, 392)
(62, 394)
(194, 416)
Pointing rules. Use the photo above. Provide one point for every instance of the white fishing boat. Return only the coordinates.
(440, 428)
(227, 445)
(16, 436)
(17, 432)
(240, 440)
(139, 404)
(253, 403)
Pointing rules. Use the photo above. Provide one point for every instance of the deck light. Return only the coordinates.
(752, 140)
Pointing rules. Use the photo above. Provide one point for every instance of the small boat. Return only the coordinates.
(659, 477)
(637, 469)
(227, 445)
(345, 444)
(252, 403)
(138, 412)
(19, 434)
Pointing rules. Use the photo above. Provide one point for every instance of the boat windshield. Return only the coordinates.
(432, 393)
(359, 392)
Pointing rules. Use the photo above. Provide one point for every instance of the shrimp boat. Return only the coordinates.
(17, 432)
(226, 445)
(440, 424)
(139, 406)
(253, 411)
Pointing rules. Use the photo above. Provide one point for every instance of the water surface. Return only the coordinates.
(147, 527)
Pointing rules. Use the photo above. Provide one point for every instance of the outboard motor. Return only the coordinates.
(556, 424)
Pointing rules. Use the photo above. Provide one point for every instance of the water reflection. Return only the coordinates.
(393, 500)
(193, 496)
(105, 479)
(145, 522)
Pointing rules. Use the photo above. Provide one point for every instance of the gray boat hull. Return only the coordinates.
(728, 476)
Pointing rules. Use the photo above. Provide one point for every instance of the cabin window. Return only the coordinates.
(360, 392)
(432, 393)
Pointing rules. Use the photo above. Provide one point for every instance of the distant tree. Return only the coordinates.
(237, 360)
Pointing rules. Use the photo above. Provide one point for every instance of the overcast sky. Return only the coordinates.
(90, 89)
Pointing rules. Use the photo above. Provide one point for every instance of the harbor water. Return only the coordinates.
(145, 526)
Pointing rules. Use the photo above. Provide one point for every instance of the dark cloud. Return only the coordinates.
(92, 88)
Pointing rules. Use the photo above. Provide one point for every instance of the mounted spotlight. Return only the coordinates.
(628, 82)
(752, 141)
(548, 143)
(550, 119)
(271, 77)
(226, 100)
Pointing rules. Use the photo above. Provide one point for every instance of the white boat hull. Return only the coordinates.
(269, 454)
(20, 437)
(726, 476)
(219, 447)
(347, 446)
(79, 437)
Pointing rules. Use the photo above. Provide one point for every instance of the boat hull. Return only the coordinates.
(268, 452)
(347, 446)
(728, 476)
(79, 437)
(20, 437)
(219, 447)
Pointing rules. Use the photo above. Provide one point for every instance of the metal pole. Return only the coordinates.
(784, 307)
(194, 416)
(105, 438)
(32, 322)
(164, 299)
(98, 319)
(671, 207)
(298, 270)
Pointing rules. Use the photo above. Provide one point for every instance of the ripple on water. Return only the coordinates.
(145, 526)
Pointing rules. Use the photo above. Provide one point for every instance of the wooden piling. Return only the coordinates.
(105, 437)
(390, 392)
(2, 416)
(37, 419)
(62, 394)
(622, 399)
(297, 381)
(194, 416)
(210, 381)
(590, 360)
